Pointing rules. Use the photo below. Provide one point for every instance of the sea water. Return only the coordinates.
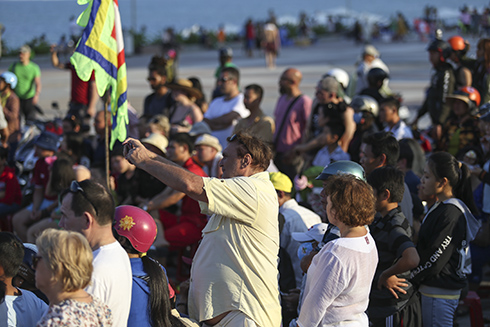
(24, 20)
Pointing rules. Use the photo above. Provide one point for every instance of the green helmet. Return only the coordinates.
(343, 167)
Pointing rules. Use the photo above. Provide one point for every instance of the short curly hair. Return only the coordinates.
(352, 200)
(69, 257)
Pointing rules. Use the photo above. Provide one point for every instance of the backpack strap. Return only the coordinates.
(286, 114)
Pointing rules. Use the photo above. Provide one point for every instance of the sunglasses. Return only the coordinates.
(225, 79)
(235, 137)
(75, 187)
(35, 261)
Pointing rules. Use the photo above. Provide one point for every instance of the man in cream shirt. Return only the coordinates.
(234, 272)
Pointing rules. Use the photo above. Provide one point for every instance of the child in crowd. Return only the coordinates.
(151, 294)
(17, 307)
(308, 242)
(61, 174)
(393, 300)
(332, 151)
(46, 146)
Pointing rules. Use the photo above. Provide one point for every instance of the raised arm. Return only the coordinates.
(223, 121)
(54, 58)
(37, 82)
(166, 171)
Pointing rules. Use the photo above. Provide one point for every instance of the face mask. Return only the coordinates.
(358, 117)
(304, 249)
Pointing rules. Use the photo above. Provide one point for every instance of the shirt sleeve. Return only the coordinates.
(399, 241)
(306, 109)
(434, 256)
(240, 108)
(330, 280)
(286, 235)
(37, 71)
(234, 198)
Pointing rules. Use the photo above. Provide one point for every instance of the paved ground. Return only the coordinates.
(408, 63)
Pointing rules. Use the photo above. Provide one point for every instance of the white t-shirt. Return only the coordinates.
(339, 282)
(297, 219)
(22, 310)
(219, 107)
(112, 281)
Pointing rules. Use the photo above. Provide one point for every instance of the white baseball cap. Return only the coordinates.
(315, 233)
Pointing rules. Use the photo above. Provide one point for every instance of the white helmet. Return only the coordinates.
(340, 75)
(365, 103)
(10, 79)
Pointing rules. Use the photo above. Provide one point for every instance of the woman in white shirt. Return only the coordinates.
(340, 275)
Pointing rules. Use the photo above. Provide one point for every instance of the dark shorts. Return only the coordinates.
(271, 47)
(27, 109)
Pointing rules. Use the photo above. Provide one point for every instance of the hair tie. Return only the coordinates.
(460, 171)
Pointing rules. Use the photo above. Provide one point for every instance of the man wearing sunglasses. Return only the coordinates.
(236, 261)
(160, 101)
(88, 208)
(225, 111)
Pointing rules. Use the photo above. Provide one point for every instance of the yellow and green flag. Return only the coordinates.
(101, 50)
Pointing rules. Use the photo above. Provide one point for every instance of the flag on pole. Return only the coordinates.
(101, 50)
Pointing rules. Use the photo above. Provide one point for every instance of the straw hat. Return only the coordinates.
(157, 140)
(209, 140)
(185, 86)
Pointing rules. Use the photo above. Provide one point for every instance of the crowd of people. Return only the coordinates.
(373, 221)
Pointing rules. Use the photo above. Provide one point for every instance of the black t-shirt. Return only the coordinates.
(156, 105)
(392, 234)
(140, 184)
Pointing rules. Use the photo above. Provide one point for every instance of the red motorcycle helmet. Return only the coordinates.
(472, 93)
(457, 43)
(136, 225)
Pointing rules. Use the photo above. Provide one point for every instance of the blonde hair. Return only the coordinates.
(69, 257)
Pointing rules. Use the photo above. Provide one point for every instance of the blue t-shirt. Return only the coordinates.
(139, 314)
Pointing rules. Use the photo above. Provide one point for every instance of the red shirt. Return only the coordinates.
(190, 210)
(249, 32)
(80, 90)
(10, 184)
(294, 123)
(40, 176)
